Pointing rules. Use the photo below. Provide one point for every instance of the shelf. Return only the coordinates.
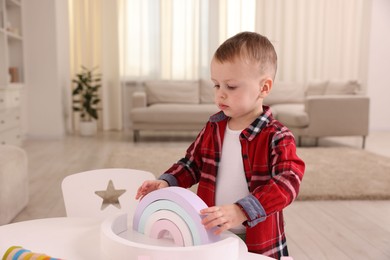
(11, 68)
(12, 3)
(11, 40)
(12, 20)
(13, 36)
(12, 86)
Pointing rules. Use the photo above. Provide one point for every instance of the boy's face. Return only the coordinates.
(239, 88)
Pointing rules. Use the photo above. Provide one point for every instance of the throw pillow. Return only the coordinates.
(342, 87)
(206, 91)
(316, 87)
(172, 91)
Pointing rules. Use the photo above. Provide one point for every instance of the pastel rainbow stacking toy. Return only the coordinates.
(173, 211)
(20, 253)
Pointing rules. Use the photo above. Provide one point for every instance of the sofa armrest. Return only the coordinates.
(138, 99)
(337, 115)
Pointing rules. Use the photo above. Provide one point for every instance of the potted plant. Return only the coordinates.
(86, 99)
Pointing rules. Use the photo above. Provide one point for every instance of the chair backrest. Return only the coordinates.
(103, 192)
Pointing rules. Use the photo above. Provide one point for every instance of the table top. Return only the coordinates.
(65, 238)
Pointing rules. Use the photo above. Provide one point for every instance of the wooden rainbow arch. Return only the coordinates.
(174, 210)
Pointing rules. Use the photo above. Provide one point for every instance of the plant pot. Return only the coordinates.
(88, 128)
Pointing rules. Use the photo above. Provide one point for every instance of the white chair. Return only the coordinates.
(102, 193)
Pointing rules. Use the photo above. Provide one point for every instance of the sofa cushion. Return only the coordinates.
(283, 92)
(346, 87)
(291, 115)
(174, 113)
(167, 91)
(206, 91)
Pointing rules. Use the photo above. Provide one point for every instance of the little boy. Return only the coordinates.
(244, 160)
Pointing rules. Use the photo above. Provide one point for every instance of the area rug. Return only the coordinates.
(334, 173)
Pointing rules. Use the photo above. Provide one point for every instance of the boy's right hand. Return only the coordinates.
(149, 186)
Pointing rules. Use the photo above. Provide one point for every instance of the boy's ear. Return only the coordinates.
(266, 87)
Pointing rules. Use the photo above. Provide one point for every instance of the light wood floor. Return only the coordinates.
(315, 229)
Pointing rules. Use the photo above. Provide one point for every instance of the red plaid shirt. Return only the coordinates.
(272, 169)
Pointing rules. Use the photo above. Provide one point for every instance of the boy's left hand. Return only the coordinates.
(223, 217)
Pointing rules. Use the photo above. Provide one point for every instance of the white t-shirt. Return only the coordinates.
(231, 183)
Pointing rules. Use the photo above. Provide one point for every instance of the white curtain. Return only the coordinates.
(94, 43)
(321, 39)
(160, 39)
(175, 39)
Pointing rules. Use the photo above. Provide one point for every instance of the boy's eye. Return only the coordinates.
(227, 86)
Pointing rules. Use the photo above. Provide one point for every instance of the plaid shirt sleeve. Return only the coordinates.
(279, 184)
(186, 172)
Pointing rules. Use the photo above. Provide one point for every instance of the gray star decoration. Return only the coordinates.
(110, 196)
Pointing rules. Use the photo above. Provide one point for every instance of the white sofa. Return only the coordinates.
(172, 105)
(321, 108)
(316, 109)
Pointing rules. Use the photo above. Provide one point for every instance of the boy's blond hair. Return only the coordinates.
(251, 47)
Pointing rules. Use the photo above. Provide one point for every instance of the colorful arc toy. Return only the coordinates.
(175, 211)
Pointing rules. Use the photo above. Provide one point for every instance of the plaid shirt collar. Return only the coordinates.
(253, 129)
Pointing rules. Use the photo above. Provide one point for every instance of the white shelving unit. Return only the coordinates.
(11, 71)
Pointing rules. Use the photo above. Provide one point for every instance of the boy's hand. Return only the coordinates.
(223, 217)
(149, 186)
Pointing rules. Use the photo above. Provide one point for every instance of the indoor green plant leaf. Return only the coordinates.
(86, 93)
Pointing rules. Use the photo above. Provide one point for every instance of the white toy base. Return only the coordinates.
(120, 241)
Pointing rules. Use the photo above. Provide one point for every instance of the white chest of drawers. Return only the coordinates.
(10, 116)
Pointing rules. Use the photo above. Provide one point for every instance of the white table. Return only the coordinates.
(66, 238)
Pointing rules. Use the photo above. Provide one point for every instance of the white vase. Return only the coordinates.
(88, 128)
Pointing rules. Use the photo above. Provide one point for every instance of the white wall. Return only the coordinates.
(47, 66)
(378, 86)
